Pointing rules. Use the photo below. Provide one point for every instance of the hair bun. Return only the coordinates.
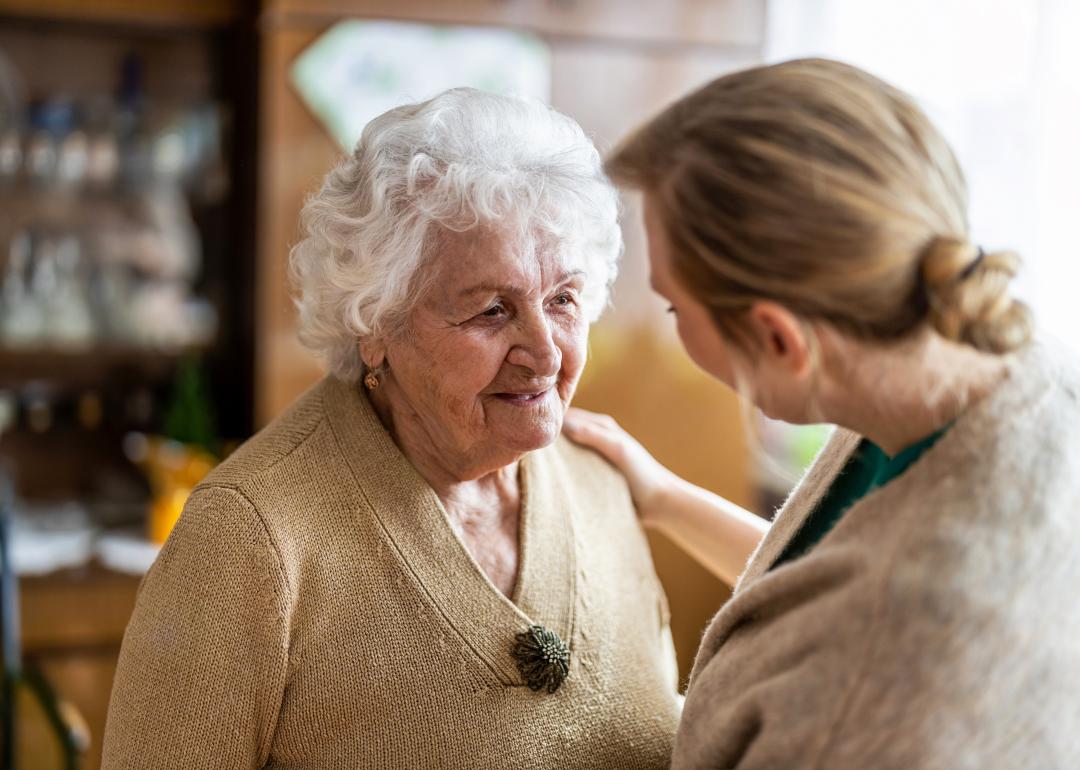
(969, 297)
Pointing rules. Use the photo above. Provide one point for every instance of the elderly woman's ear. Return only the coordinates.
(372, 352)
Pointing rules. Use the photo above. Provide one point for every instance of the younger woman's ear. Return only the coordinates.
(781, 336)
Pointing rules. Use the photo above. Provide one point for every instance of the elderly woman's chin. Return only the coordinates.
(524, 422)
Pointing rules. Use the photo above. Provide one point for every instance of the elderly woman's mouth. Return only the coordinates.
(523, 399)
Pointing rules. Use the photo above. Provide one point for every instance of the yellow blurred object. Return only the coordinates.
(165, 510)
(173, 469)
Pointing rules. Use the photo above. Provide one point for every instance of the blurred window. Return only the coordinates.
(359, 69)
(1001, 78)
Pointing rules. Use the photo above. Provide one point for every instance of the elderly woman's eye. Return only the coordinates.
(564, 299)
(494, 311)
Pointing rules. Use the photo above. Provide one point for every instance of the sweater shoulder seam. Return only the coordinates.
(275, 547)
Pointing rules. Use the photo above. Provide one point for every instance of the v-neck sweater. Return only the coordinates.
(314, 608)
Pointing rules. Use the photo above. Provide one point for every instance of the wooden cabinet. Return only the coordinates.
(189, 54)
(294, 154)
(171, 13)
(73, 623)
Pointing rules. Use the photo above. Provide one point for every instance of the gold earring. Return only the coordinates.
(371, 381)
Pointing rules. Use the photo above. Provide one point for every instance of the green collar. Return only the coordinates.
(867, 469)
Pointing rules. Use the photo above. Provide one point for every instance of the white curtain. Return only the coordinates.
(1001, 78)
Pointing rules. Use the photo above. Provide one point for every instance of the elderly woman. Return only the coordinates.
(409, 569)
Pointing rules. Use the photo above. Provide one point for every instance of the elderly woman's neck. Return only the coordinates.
(465, 488)
(459, 478)
(482, 501)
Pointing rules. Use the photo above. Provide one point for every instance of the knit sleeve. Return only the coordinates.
(202, 669)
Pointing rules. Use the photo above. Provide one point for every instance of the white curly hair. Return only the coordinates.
(461, 160)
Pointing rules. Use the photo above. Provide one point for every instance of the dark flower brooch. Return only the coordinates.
(542, 659)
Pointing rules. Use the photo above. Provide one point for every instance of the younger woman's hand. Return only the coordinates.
(648, 479)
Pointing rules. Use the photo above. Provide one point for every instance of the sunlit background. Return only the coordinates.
(154, 157)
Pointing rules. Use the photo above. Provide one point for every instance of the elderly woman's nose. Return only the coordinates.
(535, 348)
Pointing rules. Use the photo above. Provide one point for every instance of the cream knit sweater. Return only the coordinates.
(314, 609)
(936, 626)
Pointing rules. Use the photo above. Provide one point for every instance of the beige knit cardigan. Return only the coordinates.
(314, 609)
(936, 626)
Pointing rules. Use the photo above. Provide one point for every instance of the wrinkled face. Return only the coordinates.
(491, 355)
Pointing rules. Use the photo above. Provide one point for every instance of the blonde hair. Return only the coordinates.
(816, 185)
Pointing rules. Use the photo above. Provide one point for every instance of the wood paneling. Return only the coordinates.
(77, 608)
(609, 91)
(139, 12)
(727, 23)
(85, 680)
(72, 625)
(57, 60)
(690, 423)
(295, 154)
